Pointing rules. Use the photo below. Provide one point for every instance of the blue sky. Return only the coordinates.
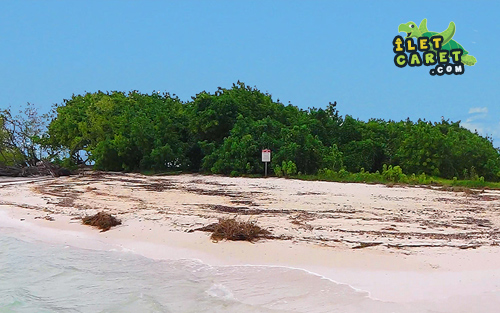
(305, 52)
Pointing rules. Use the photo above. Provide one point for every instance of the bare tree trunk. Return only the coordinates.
(49, 167)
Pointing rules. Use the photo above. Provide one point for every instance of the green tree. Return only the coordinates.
(225, 131)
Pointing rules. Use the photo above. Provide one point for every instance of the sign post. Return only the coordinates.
(266, 158)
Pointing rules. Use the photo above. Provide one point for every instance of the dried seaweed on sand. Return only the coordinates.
(236, 230)
(101, 220)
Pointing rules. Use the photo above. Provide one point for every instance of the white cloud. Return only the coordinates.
(479, 120)
(476, 119)
(473, 126)
(478, 110)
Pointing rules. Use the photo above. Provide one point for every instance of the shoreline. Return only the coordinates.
(384, 278)
(387, 274)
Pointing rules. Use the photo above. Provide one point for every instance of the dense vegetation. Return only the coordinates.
(224, 132)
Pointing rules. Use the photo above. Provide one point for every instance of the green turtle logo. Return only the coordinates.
(448, 44)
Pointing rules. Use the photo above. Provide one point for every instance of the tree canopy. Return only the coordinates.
(225, 131)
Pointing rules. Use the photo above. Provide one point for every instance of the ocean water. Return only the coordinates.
(41, 277)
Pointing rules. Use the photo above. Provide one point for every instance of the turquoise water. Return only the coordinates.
(41, 277)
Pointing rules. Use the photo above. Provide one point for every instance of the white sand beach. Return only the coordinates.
(400, 244)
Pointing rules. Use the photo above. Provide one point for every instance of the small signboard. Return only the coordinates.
(266, 155)
(266, 158)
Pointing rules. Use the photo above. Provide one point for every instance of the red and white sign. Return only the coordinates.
(266, 155)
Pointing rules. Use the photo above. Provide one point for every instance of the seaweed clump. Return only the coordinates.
(102, 220)
(236, 230)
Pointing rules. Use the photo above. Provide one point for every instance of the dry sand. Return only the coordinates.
(399, 243)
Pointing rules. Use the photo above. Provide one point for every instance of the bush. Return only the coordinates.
(393, 174)
(277, 171)
(287, 169)
(234, 174)
(291, 168)
(422, 179)
(342, 174)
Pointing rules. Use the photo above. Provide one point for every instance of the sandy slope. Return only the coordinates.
(399, 243)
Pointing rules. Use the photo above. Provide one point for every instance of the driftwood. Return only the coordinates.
(43, 168)
(10, 171)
